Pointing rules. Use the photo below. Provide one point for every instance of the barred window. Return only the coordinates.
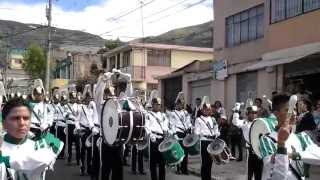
(126, 59)
(112, 63)
(245, 26)
(159, 57)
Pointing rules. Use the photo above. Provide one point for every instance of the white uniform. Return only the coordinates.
(245, 126)
(180, 121)
(278, 168)
(71, 112)
(58, 115)
(42, 115)
(22, 160)
(87, 116)
(157, 125)
(206, 127)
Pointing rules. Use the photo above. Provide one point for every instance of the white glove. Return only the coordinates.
(107, 76)
(153, 138)
(44, 126)
(176, 137)
(237, 107)
(236, 116)
(95, 131)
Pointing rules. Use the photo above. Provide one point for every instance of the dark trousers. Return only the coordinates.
(134, 154)
(62, 136)
(255, 166)
(112, 162)
(236, 142)
(53, 129)
(126, 154)
(85, 153)
(157, 162)
(95, 159)
(183, 166)
(206, 161)
(73, 139)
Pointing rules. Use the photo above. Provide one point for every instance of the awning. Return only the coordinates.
(285, 56)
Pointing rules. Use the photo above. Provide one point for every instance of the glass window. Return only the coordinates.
(245, 26)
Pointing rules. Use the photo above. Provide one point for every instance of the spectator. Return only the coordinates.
(219, 108)
(262, 112)
(235, 135)
(316, 113)
(305, 119)
(214, 112)
(224, 128)
(196, 112)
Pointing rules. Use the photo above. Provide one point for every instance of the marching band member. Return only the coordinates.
(108, 85)
(71, 115)
(85, 122)
(254, 163)
(21, 157)
(157, 127)
(42, 115)
(181, 122)
(207, 127)
(283, 151)
(59, 113)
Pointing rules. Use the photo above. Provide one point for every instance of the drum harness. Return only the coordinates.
(158, 121)
(210, 129)
(181, 120)
(295, 172)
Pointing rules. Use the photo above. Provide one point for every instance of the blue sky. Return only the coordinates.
(68, 5)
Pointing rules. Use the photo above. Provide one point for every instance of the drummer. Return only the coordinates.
(181, 123)
(254, 163)
(283, 151)
(157, 127)
(111, 85)
(207, 127)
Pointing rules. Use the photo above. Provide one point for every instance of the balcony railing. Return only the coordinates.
(137, 72)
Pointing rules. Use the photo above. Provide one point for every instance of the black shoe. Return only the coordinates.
(82, 169)
(133, 172)
(142, 173)
(78, 163)
(185, 173)
(240, 159)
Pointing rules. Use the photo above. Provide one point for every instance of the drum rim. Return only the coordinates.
(193, 143)
(169, 147)
(253, 123)
(102, 116)
(209, 149)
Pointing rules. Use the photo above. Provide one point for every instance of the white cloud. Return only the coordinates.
(93, 19)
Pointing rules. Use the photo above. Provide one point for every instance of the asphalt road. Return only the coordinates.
(63, 172)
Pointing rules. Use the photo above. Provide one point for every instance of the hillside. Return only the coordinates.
(198, 35)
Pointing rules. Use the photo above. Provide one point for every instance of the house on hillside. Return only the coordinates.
(145, 61)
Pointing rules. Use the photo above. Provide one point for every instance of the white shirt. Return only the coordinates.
(180, 120)
(59, 114)
(245, 126)
(157, 124)
(29, 159)
(71, 112)
(42, 115)
(206, 126)
(87, 115)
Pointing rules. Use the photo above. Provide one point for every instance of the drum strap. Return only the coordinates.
(294, 171)
(71, 110)
(208, 125)
(157, 119)
(85, 114)
(181, 120)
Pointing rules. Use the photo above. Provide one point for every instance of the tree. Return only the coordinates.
(112, 44)
(35, 62)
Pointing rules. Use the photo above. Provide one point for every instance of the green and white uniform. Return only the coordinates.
(29, 159)
(278, 166)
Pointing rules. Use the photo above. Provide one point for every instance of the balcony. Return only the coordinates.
(137, 72)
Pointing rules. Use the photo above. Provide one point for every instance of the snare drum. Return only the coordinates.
(143, 144)
(192, 144)
(219, 152)
(171, 151)
(121, 125)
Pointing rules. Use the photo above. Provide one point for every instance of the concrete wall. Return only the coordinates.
(181, 58)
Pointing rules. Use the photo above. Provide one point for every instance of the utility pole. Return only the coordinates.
(49, 18)
(143, 49)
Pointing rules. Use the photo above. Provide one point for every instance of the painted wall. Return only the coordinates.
(182, 58)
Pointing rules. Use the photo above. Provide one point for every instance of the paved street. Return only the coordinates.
(232, 171)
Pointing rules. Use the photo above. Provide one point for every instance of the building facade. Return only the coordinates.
(269, 45)
(146, 61)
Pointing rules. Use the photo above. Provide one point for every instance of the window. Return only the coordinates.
(159, 57)
(126, 59)
(245, 26)
(284, 9)
(17, 61)
(118, 61)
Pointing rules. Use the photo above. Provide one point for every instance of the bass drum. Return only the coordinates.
(258, 128)
(120, 124)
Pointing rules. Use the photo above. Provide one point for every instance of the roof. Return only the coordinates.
(161, 46)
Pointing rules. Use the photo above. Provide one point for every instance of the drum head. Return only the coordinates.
(166, 144)
(216, 147)
(258, 128)
(110, 121)
(190, 140)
